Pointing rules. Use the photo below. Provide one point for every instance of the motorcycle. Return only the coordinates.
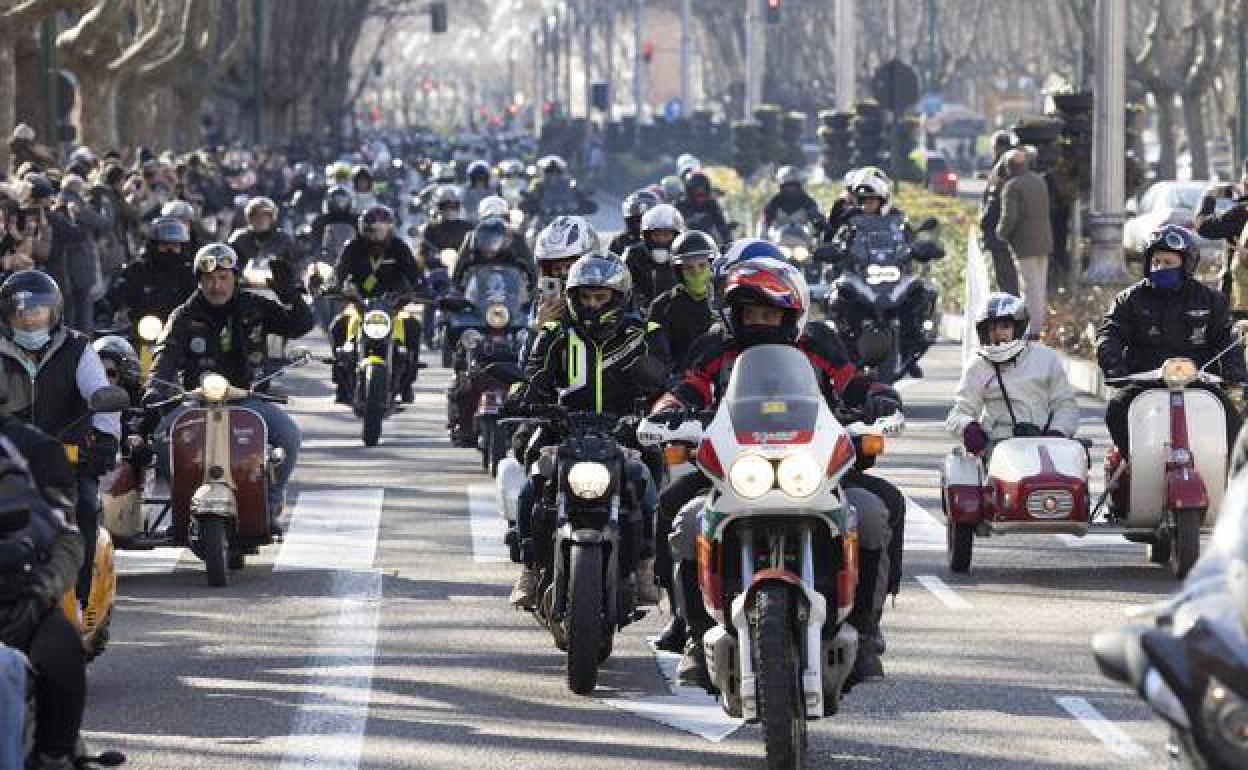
(877, 291)
(1173, 485)
(1187, 657)
(1032, 484)
(778, 548)
(378, 344)
(220, 469)
(796, 240)
(438, 278)
(490, 322)
(559, 198)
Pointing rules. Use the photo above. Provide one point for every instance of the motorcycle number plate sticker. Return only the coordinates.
(774, 407)
(198, 345)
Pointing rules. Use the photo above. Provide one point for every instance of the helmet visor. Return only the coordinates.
(207, 263)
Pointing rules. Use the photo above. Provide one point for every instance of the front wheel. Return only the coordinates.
(583, 626)
(1186, 546)
(959, 545)
(214, 548)
(781, 702)
(376, 402)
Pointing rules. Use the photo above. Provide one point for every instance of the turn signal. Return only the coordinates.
(871, 445)
(675, 454)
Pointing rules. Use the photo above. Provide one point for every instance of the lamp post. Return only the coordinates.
(1108, 138)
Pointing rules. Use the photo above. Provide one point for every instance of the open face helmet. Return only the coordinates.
(1000, 306)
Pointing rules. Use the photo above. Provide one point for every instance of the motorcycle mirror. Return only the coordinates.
(927, 225)
(110, 398)
(1118, 655)
(506, 372)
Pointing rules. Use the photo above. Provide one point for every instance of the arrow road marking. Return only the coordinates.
(1104, 730)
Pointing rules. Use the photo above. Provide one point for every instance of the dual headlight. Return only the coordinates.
(589, 480)
(376, 324)
(797, 475)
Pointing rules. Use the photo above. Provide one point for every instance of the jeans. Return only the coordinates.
(87, 512)
(283, 432)
(60, 665)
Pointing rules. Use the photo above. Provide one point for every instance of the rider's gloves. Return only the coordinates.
(974, 438)
(882, 404)
(671, 417)
(1116, 372)
(101, 455)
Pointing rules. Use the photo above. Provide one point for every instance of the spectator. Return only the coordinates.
(1025, 225)
(990, 216)
(1229, 226)
(81, 256)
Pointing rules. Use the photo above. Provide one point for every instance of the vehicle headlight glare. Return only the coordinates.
(497, 316)
(799, 475)
(589, 480)
(215, 387)
(752, 476)
(1226, 716)
(150, 328)
(376, 324)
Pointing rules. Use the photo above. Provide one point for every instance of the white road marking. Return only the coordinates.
(488, 527)
(1098, 541)
(906, 383)
(689, 709)
(159, 561)
(336, 531)
(924, 532)
(942, 591)
(1104, 730)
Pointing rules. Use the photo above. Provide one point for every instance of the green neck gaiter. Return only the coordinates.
(697, 282)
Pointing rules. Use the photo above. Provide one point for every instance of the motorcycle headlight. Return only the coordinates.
(752, 476)
(376, 324)
(800, 253)
(589, 480)
(150, 328)
(799, 475)
(1226, 721)
(1178, 372)
(214, 387)
(497, 316)
(471, 338)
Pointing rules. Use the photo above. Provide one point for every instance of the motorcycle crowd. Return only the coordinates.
(677, 411)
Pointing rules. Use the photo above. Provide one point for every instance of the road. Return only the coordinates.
(379, 635)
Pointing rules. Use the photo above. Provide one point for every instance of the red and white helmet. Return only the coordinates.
(756, 273)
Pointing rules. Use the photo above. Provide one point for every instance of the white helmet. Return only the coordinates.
(566, 237)
(872, 181)
(687, 162)
(664, 216)
(493, 206)
(178, 210)
(789, 175)
(1000, 306)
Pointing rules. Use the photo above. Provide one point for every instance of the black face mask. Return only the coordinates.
(750, 336)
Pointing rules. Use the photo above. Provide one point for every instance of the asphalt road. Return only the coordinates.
(379, 635)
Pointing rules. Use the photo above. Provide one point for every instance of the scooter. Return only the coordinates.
(1187, 657)
(777, 551)
(1031, 485)
(220, 469)
(1173, 486)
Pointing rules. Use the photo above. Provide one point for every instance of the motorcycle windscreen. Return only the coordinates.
(879, 241)
(773, 396)
(505, 285)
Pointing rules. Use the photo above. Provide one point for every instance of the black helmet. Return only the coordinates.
(1174, 238)
(338, 200)
(599, 272)
(27, 290)
(169, 230)
(693, 243)
(491, 237)
(361, 172)
(377, 223)
(478, 171)
(121, 353)
(697, 181)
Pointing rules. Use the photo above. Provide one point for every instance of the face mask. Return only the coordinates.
(660, 256)
(1166, 279)
(32, 340)
(764, 335)
(697, 282)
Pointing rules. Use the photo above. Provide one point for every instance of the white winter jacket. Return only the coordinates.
(1038, 388)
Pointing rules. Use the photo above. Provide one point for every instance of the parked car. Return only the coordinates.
(1169, 202)
(941, 178)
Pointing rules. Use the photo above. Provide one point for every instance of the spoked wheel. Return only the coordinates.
(778, 666)
(1186, 548)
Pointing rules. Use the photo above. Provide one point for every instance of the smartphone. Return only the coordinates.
(550, 287)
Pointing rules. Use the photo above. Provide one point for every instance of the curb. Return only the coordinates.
(1085, 376)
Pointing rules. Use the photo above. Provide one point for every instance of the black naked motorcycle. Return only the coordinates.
(882, 309)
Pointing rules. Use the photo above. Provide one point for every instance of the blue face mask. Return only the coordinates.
(1167, 278)
(32, 340)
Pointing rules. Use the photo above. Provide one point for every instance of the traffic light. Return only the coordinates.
(437, 17)
(771, 11)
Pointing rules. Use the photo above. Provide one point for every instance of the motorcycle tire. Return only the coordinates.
(485, 443)
(215, 546)
(376, 402)
(781, 703)
(959, 545)
(238, 560)
(446, 356)
(1186, 546)
(500, 446)
(1159, 549)
(583, 624)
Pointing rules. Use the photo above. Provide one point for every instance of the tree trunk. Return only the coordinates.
(97, 109)
(1194, 123)
(8, 94)
(1166, 165)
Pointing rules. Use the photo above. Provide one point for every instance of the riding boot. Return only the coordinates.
(864, 618)
(692, 669)
(674, 635)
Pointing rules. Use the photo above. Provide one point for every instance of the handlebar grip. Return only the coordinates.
(272, 398)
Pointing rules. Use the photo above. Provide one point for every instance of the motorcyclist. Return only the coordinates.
(222, 329)
(478, 188)
(160, 279)
(552, 185)
(650, 262)
(447, 230)
(1013, 387)
(589, 359)
(363, 194)
(765, 301)
(559, 246)
(498, 207)
(791, 203)
(339, 211)
(376, 263)
(184, 212)
(121, 367)
(41, 553)
(684, 310)
(49, 373)
(847, 203)
(491, 242)
(262, 236)
(632, 208)
(1167, 314)
(309, 195)
(1229, 225)
(700, 209)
